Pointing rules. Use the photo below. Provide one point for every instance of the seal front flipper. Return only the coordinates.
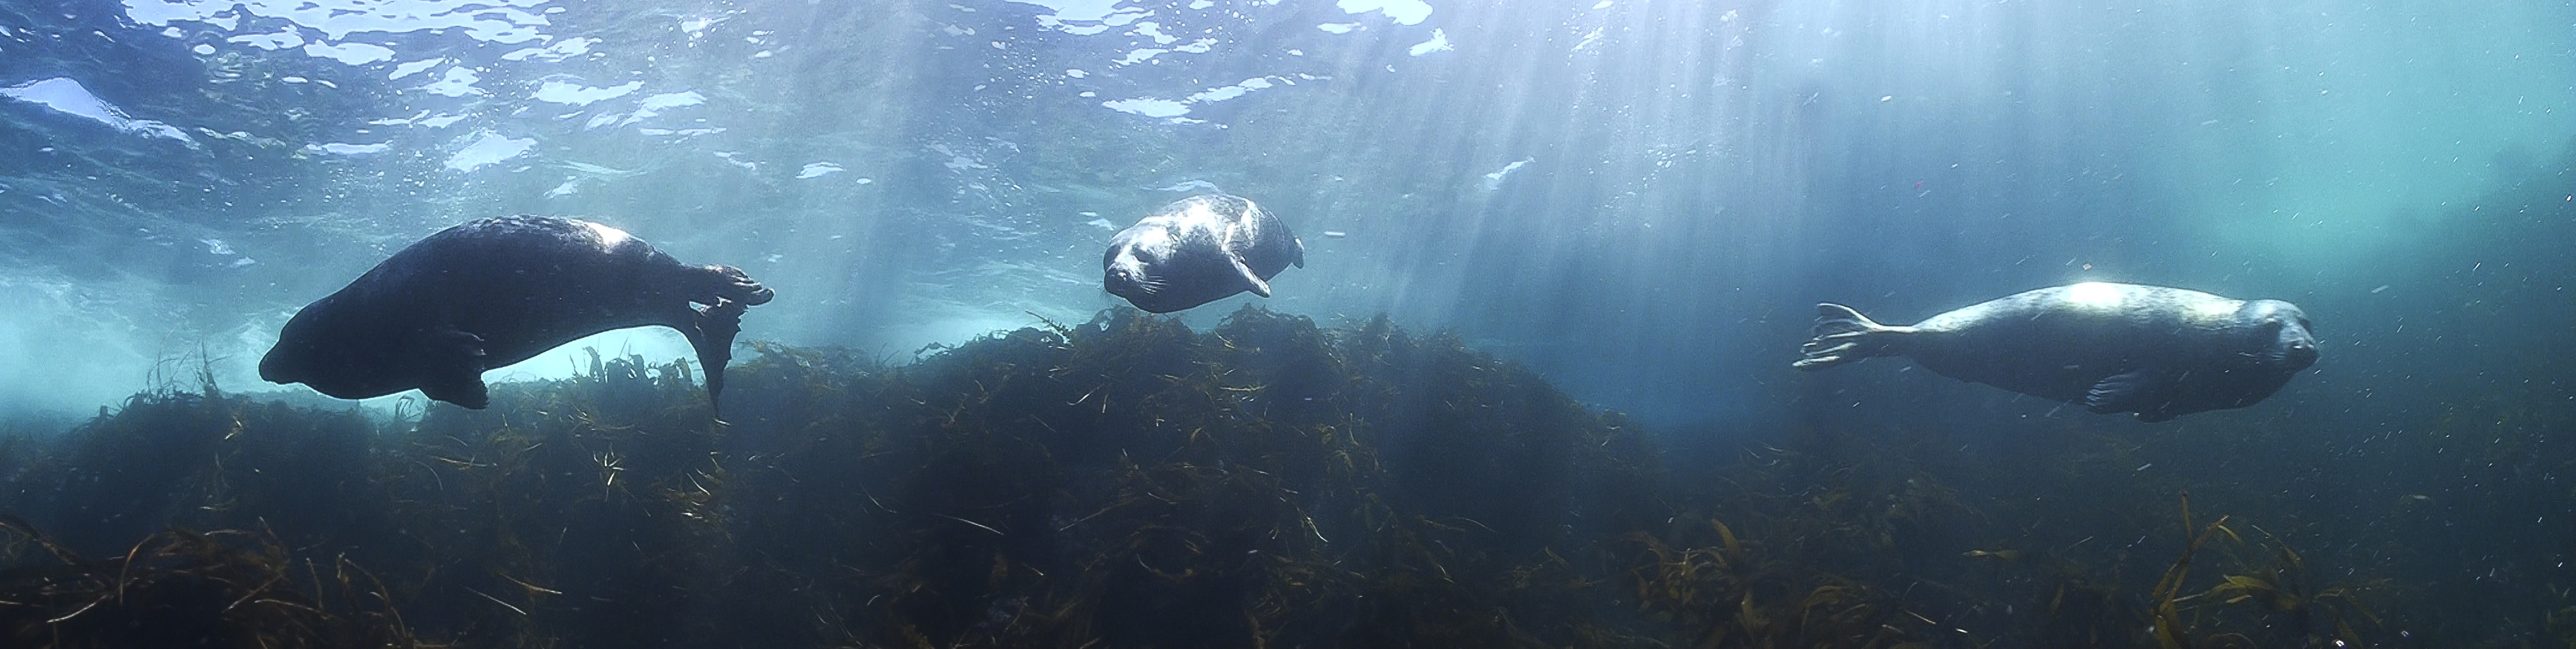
(1260, 286)
(1237, 234)
(454, 363)
(2120, 392)
(1844, 335)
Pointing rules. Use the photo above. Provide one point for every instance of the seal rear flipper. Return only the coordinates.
(1259, 286)
(1844, 335)
(710, 283)
(711, 332)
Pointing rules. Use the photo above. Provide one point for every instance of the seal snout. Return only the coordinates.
(2301, 353)
(274, 369)
(285, 363)
(1129, 283)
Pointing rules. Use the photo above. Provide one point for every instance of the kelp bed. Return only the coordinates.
(1123, 483)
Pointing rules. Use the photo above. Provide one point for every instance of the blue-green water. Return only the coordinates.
(1637, 202)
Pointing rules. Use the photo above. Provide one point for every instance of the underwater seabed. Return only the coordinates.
(1131, 483)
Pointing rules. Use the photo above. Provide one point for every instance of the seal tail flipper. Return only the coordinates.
(712, 334)
(719, 281)
(1844, 335)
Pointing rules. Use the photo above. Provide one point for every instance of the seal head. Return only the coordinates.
(496, 291)
(1199, 250)
(2156, 351)
(2281, 331)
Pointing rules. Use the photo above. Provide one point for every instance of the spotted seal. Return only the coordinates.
(496, 291)
(1199, 250)
(2155, 351)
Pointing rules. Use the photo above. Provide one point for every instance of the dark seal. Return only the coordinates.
(497, 291)
(1199, 250)
(2155, 351)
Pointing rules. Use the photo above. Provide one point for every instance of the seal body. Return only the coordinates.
(1199, 250)
(2151, 350)
(497, 291)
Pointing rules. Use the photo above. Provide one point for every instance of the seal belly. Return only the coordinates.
(2040, 345)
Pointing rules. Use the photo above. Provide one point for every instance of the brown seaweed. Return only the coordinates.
(182, 589)
(1130, 482)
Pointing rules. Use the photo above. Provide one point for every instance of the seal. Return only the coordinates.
(2155, 351)
(1199, 250)
(496, 291)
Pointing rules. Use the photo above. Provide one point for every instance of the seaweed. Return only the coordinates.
(1130, 482)
(2291, 611)
(183, 589)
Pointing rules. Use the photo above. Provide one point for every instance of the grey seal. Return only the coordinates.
(1199, 250)
(496, 291)
(2155, 351)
